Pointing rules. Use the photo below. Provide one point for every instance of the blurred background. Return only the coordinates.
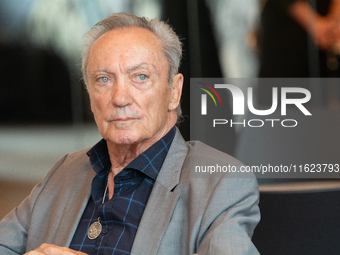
(44, 107)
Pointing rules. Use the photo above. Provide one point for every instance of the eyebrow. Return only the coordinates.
(139, 66)
(100, 70)
(129, 69)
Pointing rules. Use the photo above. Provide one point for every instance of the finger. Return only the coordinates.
(34, 253)
(50, 249)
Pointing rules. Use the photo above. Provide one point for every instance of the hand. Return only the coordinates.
(326, 32)
(50, 249)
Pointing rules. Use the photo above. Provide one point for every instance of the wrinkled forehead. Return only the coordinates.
(128, 44)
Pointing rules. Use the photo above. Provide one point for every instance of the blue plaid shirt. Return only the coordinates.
(119, 216)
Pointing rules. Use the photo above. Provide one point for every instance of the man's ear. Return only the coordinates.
(176, 91)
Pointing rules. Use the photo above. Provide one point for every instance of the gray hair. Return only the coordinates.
(171, 45)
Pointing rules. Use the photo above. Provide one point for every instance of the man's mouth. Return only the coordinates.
(122, 119)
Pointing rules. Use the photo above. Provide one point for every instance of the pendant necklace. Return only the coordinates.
(96, 227)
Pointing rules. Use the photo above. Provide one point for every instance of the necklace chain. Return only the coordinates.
(96, 227)
(107, 184)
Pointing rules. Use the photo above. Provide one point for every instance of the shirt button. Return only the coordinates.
(104, 231)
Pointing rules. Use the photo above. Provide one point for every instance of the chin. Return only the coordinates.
(124, 137)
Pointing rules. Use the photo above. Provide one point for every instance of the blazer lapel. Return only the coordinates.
(58, 209)
(162, 200)
(76, 205)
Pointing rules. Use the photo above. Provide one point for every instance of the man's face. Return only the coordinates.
(127, 76)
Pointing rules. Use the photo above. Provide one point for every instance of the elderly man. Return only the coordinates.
(134, 192)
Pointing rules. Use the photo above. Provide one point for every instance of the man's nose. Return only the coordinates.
(120, 94)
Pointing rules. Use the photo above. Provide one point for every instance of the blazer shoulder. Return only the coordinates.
(80, 155)
(200, 151)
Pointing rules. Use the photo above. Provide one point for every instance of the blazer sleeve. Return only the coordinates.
(230, 218)
(15, 226)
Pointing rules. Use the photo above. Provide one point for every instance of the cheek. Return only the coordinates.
(98, 101)
(97, 108)
(158, 109)
(94, 105)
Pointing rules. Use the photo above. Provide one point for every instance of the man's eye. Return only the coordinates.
(141, 77)
(104, 79)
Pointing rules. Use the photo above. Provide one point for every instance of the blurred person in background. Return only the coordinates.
(296, 37)
(301, 39)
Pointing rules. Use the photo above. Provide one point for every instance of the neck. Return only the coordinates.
(122, 154)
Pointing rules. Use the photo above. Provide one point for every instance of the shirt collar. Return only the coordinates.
(149, 162)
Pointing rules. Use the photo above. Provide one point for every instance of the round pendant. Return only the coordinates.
(94, 230)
